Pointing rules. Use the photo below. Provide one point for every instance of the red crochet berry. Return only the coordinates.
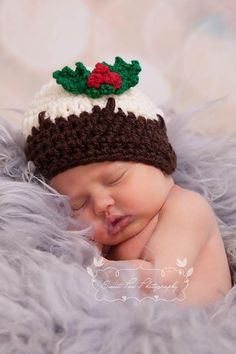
(102, 75)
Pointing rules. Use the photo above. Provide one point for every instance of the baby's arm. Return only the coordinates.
(184, 227)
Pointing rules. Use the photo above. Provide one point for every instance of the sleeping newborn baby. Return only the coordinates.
(148, 220)
(97, 139)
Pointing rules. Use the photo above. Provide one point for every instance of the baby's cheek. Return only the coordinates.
(99, 231)
(82, 216)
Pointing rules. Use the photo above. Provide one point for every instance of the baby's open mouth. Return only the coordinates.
(117, 223)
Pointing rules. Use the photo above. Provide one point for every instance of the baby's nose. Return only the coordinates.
(102, 204)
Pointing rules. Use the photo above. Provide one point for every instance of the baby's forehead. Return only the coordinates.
(102, 170)
(85, 173)
(109, 165)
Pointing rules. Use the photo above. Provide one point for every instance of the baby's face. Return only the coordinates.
(118, 198)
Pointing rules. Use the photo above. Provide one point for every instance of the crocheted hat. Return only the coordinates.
(96, 116)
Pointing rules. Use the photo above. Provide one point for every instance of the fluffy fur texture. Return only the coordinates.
(46, 295)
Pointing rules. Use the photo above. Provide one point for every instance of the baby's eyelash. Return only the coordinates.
(115, 179)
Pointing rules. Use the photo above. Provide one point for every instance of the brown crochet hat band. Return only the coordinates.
(102, 135)
(71, 130)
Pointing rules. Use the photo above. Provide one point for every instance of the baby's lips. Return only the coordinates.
(110, 229)
(117, 223)
(111, 219)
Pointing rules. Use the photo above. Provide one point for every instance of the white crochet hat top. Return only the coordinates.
(56, 102)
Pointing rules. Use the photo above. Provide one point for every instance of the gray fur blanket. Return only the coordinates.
(48, 302)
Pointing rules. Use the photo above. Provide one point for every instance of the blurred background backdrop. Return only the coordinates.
(187, 49)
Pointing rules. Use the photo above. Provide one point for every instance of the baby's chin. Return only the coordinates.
(112, 240)
(113, 237)
(138, 229)
(107, 239)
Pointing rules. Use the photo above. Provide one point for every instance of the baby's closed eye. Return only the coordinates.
(115, 178)
(79, 205)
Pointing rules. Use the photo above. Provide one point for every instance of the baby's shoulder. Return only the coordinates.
(185, 201)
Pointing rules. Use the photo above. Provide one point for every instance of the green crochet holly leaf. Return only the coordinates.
(105, 79)
(128, 73)
(72, 81)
